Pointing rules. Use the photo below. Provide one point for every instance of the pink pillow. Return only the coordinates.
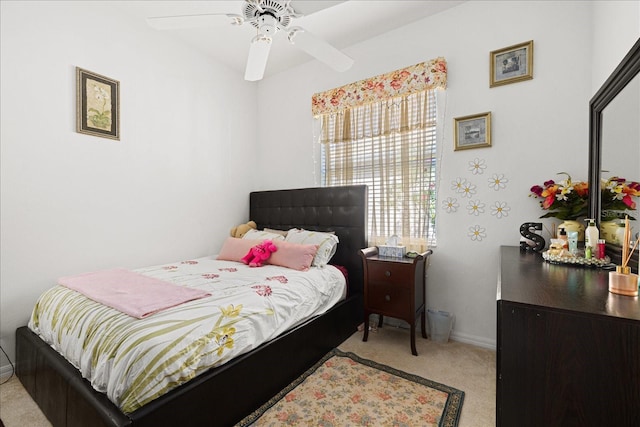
(293, 255)
(234, 249)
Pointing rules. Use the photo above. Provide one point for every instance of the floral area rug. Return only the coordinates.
(343, 389)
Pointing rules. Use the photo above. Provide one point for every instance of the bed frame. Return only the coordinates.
(226, 394)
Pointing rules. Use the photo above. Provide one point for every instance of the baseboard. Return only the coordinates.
(455, 336)
(5, 372)
(473, 340)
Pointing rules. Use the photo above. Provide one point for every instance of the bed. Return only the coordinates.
(223, 395)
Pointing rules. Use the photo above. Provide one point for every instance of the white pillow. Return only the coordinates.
(327, 243)
(262, 235)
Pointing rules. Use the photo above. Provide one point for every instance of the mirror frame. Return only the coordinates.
(618, 80)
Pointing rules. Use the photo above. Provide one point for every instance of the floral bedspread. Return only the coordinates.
(135, 361)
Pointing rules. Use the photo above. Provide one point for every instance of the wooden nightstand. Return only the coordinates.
(394, 287)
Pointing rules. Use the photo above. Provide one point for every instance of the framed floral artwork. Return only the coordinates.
(511, 64)
(472, 131)
(97, 105)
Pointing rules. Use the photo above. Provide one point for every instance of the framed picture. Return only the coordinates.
(511, 64)
(97, 105)
(472, 131)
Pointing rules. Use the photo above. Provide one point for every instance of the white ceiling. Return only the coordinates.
(341, 23)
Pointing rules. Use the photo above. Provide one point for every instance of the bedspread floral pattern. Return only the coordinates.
(134, 361)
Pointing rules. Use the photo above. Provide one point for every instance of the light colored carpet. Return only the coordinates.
(465, 367)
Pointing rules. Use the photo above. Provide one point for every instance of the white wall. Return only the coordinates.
(540, 128)
(168, 190)
(616, 27)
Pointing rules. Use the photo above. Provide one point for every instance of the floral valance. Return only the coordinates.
(420, 77)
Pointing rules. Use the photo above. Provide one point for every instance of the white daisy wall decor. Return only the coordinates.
(477, 233)
(468, 189)
(475, 207)
(450, 205)
(476, 196)
(500, 209)
(477, 166)
(498, 181)
(458, 185)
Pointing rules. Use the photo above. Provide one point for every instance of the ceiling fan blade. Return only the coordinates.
(307, 7)
(320, 49)
(257, 61)
(187, 21)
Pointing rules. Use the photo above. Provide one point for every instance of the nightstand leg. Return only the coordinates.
(366, 327)
(413, 339)
(380, 321)
(422, 324)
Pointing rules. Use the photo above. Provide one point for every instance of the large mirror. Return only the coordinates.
(614, 149)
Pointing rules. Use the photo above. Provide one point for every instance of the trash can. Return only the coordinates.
(440, 324)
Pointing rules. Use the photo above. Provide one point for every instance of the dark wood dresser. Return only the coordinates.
(568, 351)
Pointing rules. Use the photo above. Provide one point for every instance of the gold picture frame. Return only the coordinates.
(97, 105)
(472, 131)
(511, 64)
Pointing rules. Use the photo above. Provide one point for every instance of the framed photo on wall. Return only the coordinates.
(472, 131)
(511, 64)
(97, 105)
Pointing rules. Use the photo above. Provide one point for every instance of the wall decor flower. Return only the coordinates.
(477, 166)
(468, 190)
(475, 207)
(500, 209)
(617, 196)
(450, 204)
(566, 199)
(477, 233)
(498, 181)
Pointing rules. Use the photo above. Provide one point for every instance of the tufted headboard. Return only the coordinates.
(342, 210)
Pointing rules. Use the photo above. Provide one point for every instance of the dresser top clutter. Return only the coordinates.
(527, 279)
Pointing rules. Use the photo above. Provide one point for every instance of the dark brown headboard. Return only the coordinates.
(342, 210)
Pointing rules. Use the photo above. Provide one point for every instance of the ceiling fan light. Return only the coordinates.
(267, 25)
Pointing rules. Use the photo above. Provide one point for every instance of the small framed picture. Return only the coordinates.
(511, 64)
(472, 131)
(97, 105)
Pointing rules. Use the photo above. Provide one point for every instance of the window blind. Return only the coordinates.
(391, 147)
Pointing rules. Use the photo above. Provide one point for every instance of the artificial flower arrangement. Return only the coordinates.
(616, 196)
(566, 199)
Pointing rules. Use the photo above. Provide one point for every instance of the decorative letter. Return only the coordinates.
(535, 238)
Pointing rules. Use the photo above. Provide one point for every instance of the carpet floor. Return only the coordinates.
(344, 389)
(463, 366)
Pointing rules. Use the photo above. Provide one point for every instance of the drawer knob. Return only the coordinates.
(387, 298)
(387, 273)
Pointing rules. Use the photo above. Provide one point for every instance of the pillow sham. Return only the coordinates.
(293, 255)
(262, 235)
(234, 248)
(327, 243)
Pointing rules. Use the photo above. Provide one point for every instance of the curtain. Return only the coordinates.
(381, 132)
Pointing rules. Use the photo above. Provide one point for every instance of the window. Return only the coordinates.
(391, 147)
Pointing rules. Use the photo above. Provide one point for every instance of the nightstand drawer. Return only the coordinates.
(388, 298)
(400, 275)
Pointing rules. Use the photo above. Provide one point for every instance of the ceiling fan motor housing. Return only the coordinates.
(271, 15)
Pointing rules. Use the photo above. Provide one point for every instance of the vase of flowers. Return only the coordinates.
(566, 200)
(616, 199)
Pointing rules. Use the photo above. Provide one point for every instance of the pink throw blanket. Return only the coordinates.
(129, 292)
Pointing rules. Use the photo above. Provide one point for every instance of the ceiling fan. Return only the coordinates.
(268, 17)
